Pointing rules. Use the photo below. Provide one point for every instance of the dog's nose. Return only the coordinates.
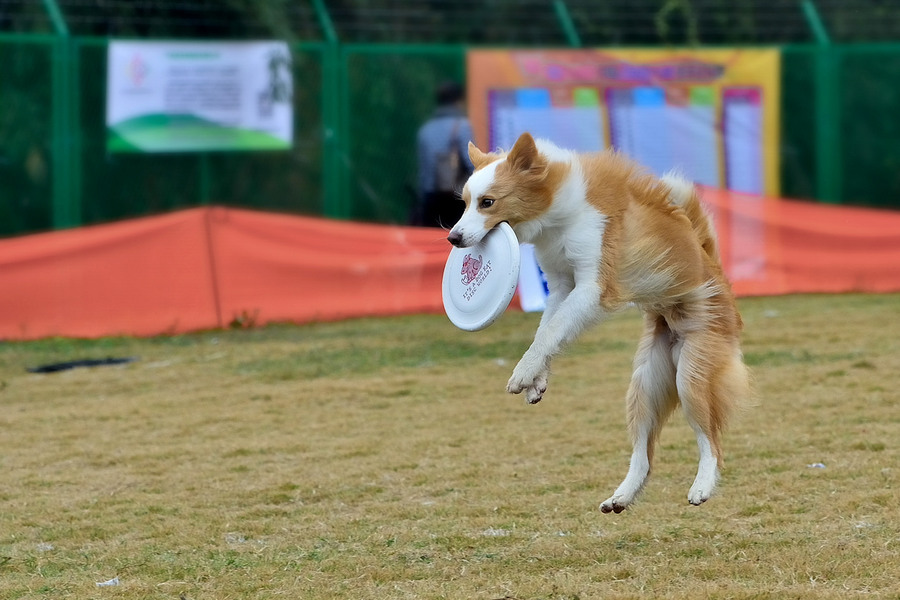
(455, 238)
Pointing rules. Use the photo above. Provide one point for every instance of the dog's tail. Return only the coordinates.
(683, 194)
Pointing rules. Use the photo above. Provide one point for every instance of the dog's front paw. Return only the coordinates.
(526, 374)
(515, 385)
(534, 389)
(534, 393)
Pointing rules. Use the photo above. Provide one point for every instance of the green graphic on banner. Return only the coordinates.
(185, 133)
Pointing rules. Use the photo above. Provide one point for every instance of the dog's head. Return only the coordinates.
(514, 187)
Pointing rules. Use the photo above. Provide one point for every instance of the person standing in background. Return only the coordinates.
(443, 160)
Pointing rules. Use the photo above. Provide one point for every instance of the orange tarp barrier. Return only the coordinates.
(305, 269)
(140, 277)
(771, 246)
(203, 268)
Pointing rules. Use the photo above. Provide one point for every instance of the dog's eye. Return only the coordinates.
(486, 202)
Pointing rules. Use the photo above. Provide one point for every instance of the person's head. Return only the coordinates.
(449, 93)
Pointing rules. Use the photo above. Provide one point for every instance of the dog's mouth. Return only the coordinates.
(467, 241)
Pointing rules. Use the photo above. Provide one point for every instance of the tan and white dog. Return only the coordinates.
(607, 234)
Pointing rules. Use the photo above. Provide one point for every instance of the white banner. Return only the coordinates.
(198, 96)
(533, 290)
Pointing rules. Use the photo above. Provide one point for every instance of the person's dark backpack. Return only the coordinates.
(450, 170)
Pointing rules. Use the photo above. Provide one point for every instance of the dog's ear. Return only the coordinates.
(523, 154)
(478, 158)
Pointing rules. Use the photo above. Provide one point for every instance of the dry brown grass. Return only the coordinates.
(383, 459)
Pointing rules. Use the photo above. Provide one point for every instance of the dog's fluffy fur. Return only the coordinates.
(607, 235)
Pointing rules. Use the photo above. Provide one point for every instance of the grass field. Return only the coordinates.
(382, 458)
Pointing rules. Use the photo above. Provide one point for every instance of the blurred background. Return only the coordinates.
(364, 74)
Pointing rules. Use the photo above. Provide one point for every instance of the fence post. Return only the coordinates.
(76, 148)
(567, 24)
(66, 149)
(828, 125)
(828, 110)
(66, 144)
(333, 202)
(56, 17)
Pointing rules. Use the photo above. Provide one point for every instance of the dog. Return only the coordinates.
(608, 235)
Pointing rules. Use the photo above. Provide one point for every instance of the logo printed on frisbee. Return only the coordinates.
(479, 282)
(470, 268)
(475, 283)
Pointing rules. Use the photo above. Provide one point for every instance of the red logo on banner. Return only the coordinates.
(137, 70)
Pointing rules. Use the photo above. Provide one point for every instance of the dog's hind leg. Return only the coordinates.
(710, 378)
(651, 399)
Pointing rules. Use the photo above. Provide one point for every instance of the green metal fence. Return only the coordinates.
(357, 108)
(27, 133)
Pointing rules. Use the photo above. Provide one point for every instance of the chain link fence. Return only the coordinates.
(361, 90)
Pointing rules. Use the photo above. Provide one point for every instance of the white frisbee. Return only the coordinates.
(480, 281)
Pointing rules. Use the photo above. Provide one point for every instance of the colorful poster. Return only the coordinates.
(712, 115)
(198, 96)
